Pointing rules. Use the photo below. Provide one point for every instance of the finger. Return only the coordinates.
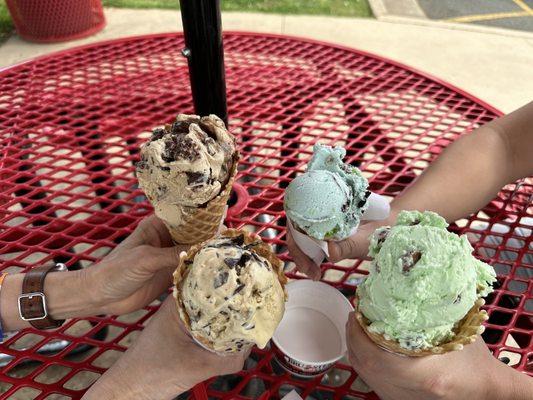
(151, 231)
(160, 258)
(366, 355)
(355, 246)
(162, 280)
(303, 263)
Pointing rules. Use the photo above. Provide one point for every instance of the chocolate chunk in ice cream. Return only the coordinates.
(409, 259)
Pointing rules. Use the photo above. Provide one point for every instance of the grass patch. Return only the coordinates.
(352, 8)
(6, 25)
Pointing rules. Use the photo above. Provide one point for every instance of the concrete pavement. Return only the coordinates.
(492, 64)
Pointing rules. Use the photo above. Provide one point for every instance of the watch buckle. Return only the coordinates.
(30, 296)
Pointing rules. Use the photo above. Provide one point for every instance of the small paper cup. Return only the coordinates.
(378, 208)
(317, 250)
(311, 336)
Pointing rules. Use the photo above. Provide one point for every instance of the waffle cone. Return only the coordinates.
(204, 222)
(466, 331)
(185, 262)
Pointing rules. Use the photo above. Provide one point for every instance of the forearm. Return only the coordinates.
(67, 296)
(472, 170)
(132, 376)
(509, 384)
(123, 383)
(462, 180)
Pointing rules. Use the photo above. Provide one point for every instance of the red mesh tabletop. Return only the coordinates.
(71, 125)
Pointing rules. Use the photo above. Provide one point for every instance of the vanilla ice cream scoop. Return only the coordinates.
(230, 293)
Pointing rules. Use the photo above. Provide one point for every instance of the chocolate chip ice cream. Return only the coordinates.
(186, 165)
(230, 292)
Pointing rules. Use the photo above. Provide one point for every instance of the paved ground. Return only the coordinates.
(510, 14)
(493, 65)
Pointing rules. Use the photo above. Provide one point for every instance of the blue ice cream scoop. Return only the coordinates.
(328, 200)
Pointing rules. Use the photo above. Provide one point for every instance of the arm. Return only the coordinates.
(65, 295)
(163, 363)
(131, 276)
(472, 373)
(468, 174)
(472, 170)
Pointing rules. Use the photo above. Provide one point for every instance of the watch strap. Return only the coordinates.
(32, 302)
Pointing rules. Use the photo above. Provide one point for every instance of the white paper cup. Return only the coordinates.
(311, 335)
(317, 250)
(378, 208)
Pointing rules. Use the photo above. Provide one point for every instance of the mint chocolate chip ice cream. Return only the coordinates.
(423, 281)
(328, 200)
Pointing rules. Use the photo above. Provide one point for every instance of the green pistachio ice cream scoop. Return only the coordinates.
(423, 280)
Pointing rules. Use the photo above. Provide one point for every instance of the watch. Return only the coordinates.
(32, 301)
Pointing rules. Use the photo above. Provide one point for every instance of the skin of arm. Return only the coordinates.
(163, 363)
(130, 277)
(467, 175)
(473, 169)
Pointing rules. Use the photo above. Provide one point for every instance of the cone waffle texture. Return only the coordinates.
(203, 223)
(185, 263)
(466, 331)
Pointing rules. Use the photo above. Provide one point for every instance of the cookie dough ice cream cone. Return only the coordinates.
(230, 292)
(424, 291)
(187, 171)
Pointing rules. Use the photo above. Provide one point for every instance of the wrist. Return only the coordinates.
(65, 292)
(68, 295)
(509, 384)
(11, 289)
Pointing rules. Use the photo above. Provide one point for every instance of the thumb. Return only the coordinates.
(361, 349)
(352, 247)
(366, 356)
(158, 258)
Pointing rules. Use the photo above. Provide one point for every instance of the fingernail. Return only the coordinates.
(333, 250)
(291, 268)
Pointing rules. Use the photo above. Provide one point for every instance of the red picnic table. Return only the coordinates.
(71, 125)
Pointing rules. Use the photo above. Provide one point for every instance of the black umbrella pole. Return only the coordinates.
(202, 29)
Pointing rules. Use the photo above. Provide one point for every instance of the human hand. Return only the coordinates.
(130, 277)
(136, 271)
(162, 363)
(472, 373)
(356, 246)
